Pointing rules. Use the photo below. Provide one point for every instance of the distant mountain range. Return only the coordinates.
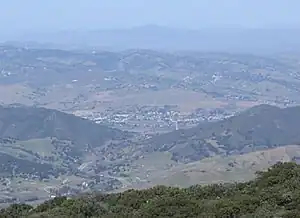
(164, 38)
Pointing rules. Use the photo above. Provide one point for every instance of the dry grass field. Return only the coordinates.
(236, 168)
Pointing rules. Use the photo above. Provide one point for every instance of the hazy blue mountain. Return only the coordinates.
(157, 37)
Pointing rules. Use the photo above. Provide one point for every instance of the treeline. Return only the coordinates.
(274, 193)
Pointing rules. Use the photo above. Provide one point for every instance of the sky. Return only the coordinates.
(19, 15)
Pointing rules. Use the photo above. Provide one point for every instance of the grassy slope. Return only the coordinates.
(159, 169)
(226, 169)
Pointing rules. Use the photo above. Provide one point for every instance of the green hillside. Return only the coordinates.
(274, 193)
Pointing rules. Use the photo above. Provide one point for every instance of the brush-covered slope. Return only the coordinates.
(259, 127)
(274, 193)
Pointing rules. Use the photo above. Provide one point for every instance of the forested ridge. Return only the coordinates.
(274, 193)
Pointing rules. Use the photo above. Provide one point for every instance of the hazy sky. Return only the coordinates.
(97, 14)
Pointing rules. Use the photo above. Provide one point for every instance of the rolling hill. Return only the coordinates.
(39, 143)
(96, 78)
(24, 123)
(229, 150)
(45, 142)
(257, 128)
(230, 169)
